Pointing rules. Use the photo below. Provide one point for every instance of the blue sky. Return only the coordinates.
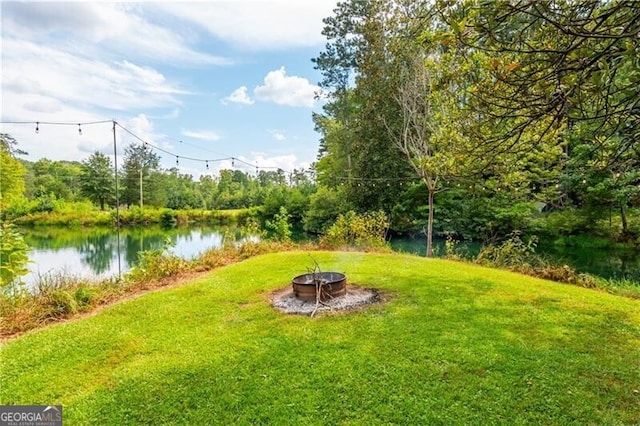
(203, 79)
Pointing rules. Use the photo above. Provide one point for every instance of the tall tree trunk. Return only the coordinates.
(430, 223)
(623, 217)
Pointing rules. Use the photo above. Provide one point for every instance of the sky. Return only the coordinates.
(201, 79)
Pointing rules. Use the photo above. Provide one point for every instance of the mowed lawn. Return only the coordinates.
(452, 344)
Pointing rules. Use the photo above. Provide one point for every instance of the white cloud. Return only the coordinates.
(278, 135)
(239, 96)
(205, 135)
(286, 90)
(258, 24)
(262, 160)
(103, 28)
(82, 81)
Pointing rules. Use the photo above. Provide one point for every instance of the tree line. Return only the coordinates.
(141, 182)
(493, 110)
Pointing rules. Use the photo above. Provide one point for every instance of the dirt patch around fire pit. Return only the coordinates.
(356, 298)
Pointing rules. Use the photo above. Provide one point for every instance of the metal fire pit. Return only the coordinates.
(330, 284)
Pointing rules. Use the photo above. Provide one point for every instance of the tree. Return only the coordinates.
(360, 67)
(11, 171)
(556, 62)
(182, 191)
(567, 71)
(431, 98)
(140, 176)
(98, 180)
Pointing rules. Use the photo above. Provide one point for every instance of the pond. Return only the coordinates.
(98, 252)
(606, 263)
(95, 252)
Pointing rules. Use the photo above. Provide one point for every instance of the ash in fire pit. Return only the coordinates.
(302, 296)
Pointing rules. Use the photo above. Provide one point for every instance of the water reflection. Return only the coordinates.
(93, 252)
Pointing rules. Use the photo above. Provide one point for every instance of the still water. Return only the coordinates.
(96, 252)
(606, 263)
(99, 253)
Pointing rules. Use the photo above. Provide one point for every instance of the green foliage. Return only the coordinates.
(324, 208)
(355, 147)
(513, 252)
(360, 231)
(11, 172)
(520, 256)
(168, 218)
(59, 179)
(280, 227)
(98, 180)
(13, 256)
(59, 213)
(46, 203)
(156, 264)
(141, 169)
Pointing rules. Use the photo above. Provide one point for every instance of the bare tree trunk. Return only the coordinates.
(430, 224)
(623, 217)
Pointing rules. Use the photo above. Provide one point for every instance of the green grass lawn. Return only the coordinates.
(453, 344)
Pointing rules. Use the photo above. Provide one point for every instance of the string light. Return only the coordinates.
(399, 181)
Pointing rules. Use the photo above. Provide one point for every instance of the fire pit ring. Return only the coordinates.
(330, 284)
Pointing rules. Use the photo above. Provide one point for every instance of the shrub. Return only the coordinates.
(513, 252)
(519, 256)
(60, 303)
(351, 230)
(565, 222)
(280, 227)
(156, 264)
(324, 208)
(168, 219)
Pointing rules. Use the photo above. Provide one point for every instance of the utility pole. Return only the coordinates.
(140, 187)
(115, 175)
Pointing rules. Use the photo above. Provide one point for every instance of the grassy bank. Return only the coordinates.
(453, 344)
(61, 296)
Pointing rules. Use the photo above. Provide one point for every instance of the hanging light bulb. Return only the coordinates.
(207, 163)
(233, 162)
(79, 129)
(177, 162)
(37, 127)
